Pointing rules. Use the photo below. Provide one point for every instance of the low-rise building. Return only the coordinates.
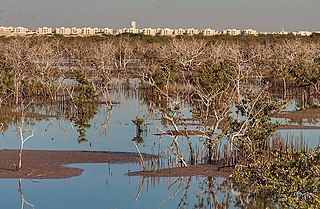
(179, 32)
(231, 32)
(249, 32)
(76, 31)
(209, 32)
(133, 30)
(20, 31)
(122, 30)
(4, 31)
(88, 31)
(44, 31)
(63, 31)
(107, 31)
(191, 31)
(304, 33)
(166, 32)
(149, 31)
(282, 32)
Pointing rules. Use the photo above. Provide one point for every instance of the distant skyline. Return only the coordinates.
(262, 15)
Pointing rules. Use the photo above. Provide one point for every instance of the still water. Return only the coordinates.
(107, 185)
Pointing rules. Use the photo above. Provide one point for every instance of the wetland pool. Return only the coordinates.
(108, 185)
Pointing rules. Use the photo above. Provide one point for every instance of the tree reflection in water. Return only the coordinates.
(23, 200)
(211, 192)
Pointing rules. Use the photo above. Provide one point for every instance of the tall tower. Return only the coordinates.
(133, 24)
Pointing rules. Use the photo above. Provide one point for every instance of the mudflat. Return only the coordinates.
(42, 164)
(192, 170)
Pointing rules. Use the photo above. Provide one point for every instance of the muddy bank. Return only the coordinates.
(51, 164)
(309, 113)
(41, 164)
(194, 170)
(294, 127)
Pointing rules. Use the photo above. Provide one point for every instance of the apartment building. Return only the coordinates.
(89, 31)
(44, 31)
(192, 31)
(209, 32)
(4, 31)
(149, 31)
(249, 32)
(179, 32)
(107, 31)
(63, 31)
(167, 32)
(76, 31)
(20, 31)
(232, 32)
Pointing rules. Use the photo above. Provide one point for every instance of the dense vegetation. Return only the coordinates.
(227, 82)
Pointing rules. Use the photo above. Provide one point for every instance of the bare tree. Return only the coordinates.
(46, 59)
(22, 131)
(123, 53)
(16, 51)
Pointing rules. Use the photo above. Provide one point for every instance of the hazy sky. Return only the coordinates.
(263, 15)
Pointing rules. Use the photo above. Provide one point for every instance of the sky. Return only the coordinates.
(262, 15)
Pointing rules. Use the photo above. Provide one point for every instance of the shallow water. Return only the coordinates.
(108, 186)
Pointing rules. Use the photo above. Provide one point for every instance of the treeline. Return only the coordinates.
(33, 66)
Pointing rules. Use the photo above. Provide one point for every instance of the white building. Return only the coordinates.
(191, 31)
(11, 29)
(166, 32)
(97, 30)
(107, 31)
(249, 32)
(88, 31)
(20, 31)
(231, 32)
(133, 28)
(4, 31)
(76, 31)
(44, 31)
(283, 32)
(179, 32)
(304, 33)
(209, 32)
(63, 31)
(133, 24)
(122, 30)
(149, 31)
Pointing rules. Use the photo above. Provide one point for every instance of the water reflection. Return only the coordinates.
(106, 127)
(197, 192)
(23, 200)
(110, 128)
(108, 186)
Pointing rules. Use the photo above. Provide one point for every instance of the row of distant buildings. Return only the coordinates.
(88, 31)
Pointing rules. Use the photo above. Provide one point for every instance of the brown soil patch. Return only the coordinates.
(50, 164)
(194, 170)
(182, 132)
(310, 113)
(292, 127)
